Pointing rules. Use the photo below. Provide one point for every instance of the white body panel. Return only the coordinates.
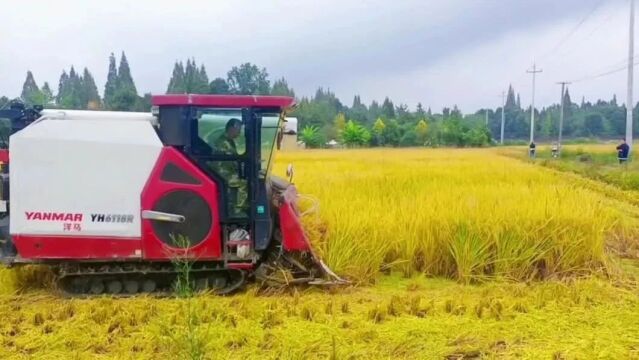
(69, 178)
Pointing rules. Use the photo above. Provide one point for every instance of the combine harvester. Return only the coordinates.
(110, 200)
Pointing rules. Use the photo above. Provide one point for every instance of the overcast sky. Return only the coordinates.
(437, 52)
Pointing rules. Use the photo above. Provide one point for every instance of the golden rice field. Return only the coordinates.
(463, 214)
(489, 257)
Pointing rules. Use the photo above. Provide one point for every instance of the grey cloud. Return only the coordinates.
(365, 47)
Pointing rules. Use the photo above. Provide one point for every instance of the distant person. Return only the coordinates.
(622, 151)
(531, 149)
(555, 150)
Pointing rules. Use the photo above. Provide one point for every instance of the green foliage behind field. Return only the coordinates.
(386, 123)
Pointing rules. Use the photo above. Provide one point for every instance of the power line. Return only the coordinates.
(606, 73)
(573, 30)
(561, 56)
(604, 22)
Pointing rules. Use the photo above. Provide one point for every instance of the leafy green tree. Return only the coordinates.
(319, 111)
(202, 81)
(143, 103)
(409, 138)
(419, 111)
(518, 102)
(125, 80)
(111, 84)
(31, 93)
(403, 115)
(3, 101)
(339, 123)
(374, 111)
(125, 96)
(281, 88)
(358, 111)
(452, 132)
(421, 132)
(388, 109)
(63, 84)
(75, 89)
(546, 126)
(378, 132)
(311, 137)
(47, 93)
(355, 135)
(192, 80)
(219, 86)
(593, 125)
(392, 133)
(567, 100)
(176, 83)
(511, 102)
(90, 99)
(379, 126)
(456, 113)
(124, 100)
(70, 90)
(248, 79)
(434, 134)
(478, 136)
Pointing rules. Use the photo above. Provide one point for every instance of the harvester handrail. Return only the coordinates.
(61, 114)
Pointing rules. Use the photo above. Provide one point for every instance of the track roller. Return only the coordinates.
(131, 286)
(148, 286)
(96, 287)
(114, 287)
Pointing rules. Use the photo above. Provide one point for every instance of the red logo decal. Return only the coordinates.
(51, 216)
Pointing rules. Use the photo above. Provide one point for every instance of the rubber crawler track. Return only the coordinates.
(133, 279)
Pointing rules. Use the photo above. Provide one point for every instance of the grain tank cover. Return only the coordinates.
(81, 178)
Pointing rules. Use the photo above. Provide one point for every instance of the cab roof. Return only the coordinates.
(231, 101)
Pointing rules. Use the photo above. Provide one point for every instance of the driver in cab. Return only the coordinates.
(229, 170)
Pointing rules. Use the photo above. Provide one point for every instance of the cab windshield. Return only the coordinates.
(212, 129)
(270, 128)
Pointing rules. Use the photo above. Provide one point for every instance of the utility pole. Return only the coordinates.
(503, 105)
(631, 52)
(486, 113)
(534, 72)
(561, 115)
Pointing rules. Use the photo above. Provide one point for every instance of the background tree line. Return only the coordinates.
(324, 119)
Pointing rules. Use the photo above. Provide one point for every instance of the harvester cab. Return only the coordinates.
(126, 195)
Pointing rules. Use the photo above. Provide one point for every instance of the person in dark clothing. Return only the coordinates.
(531, 149)
(554, 150)
(622, 151)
